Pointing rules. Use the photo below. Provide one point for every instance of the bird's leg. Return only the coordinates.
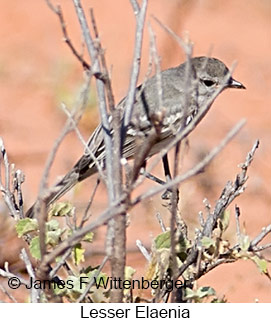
(150, 176)
(153, 178)
(167, 194)
(166, 168)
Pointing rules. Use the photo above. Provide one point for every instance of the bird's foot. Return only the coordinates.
(167, 195)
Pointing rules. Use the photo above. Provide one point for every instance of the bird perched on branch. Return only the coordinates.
(184, 91)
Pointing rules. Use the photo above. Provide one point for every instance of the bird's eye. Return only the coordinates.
(208, 82)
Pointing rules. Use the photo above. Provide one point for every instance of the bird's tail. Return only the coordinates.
(62, 187)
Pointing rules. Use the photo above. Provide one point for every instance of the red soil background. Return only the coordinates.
(38, 72)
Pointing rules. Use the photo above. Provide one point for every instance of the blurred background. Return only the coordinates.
(38, 72)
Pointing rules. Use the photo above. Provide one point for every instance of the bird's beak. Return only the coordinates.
(235, 84)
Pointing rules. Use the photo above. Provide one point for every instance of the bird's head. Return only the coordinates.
(212, 74)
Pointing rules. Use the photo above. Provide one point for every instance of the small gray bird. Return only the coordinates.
(182, 97)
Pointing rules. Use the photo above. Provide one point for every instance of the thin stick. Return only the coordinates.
(229, 193)
(261, 236)
(8, 274)
(12, 298)
(86, 215)
(143, 250)
(135, 6)
(237, 217)
(35, 293)
(101, 95)
(92, 281)
(58, 11)
(84, 143)
(174, 207)
(140, 22)
(60, 263)
(161, 222)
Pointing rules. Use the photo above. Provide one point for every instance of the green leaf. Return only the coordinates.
(207, 242)
(244, 242)
(52, 237)
(60, 291)
(129, 272)
(80, 283)
(61, 209)
(25, 226)
(162, 240)
(200, 293)
(159, 263)
(219, 300)
(205, 291)
(52, 225)
(224, 220)
(78, 254)
(88, 237)
(261, 264)
(53, 232)
(78, 287)
(35, 248)
(189, 293)
(101, 275)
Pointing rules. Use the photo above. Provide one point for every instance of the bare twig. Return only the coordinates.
(198, 263)
(140, 22)
(7, 274)
(27, 263)
(213, 266)
(156, 59)
(201, 218)
(116, 236)
(108, 85)
(261, 248)
(5, 188)
(84, 143)
(237, 218)
(112, 147)
(35, 293)
(100, 90)
(69, 126)
(161, 222)
(60, 263)
(12, 298)
(178, 39)
(58, 11)
(135, 6)
(260, 237)
(143, 250)
(230, 192)
(86, 213)
(17, 184)
(90, 284)
(174, 208)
